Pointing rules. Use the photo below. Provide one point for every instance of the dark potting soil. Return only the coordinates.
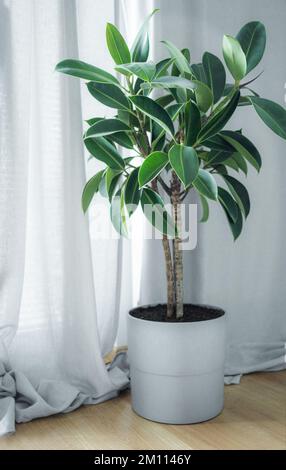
(192, 313)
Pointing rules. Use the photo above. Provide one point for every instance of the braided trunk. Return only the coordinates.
(178, 254)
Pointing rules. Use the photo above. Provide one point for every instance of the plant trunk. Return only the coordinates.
(169, 276)
(168, 268)
(178, 254)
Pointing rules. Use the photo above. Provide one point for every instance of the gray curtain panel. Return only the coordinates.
(246, 278)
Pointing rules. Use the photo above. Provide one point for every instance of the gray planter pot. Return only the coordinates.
(177, 369)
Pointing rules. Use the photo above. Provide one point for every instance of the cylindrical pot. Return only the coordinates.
(177, 368)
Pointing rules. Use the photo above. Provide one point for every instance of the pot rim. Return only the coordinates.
(173, 323)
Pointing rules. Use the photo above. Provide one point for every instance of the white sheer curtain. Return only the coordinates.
(112, 265)
(50, 345)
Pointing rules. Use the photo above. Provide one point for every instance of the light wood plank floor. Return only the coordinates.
(254, 418)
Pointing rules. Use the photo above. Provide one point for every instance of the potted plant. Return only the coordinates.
(172, 116)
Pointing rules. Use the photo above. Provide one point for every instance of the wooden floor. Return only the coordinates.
(254, 418)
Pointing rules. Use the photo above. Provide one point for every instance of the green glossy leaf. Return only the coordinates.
(186, 53)
(128, 160)
(158, 133)
(239, 193)
(215, 75)
(165, 100)
(234, 57)
(180, 60)
(170, 82)
(140, 46)
(192, 123)
(236, 227)
(185, 163)
(272, 114)
(245, 87)
(137, 85)
(104, 151)
(216, 157)
(111, 179)
(252, 38)
(219, 120)
(143, 143)
(156, 130)
(198, 72)
(116, 45)
(221, 170)
(154, 111)
(228, 203)
(216, 142)
(122, 139)
(127, 117)
(117, 215)
(205, 208)
(231, 163)
(151, 167)
(110, 95)
(123, 209)
(132, 192)
(159, 143)
(143, 70)
(90, 189)
(92, 121)
(174, 110)
(203, 154)
(162, 67)
(80, 69)
(106, 127)
(153, 207)
(240, 161)
(180, 95)
(244, 147)
(204, 96)
(102, 186)
(244, 101)
(142, 51)
(205, 184)
(228, 89)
